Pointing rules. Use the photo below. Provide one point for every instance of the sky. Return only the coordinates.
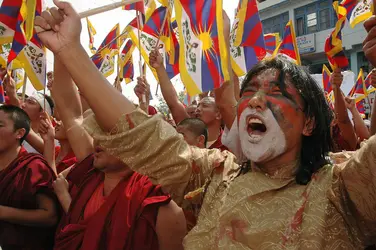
(103, 23)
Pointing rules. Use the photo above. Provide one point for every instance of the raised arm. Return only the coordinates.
(47, 133)
(10, 90)
(64, 41)
(361, 129)
(168, 91)
(68, 105)
(344, 123)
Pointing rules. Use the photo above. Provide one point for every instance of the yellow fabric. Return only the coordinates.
(253, 210)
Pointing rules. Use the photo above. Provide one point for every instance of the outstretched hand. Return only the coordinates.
(59, 28)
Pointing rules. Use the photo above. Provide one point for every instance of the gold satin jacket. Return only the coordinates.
(336, 210)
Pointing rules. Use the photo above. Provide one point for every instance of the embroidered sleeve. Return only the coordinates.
(152, 147)
(354, 191)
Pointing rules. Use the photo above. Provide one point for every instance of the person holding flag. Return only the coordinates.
(343, 130)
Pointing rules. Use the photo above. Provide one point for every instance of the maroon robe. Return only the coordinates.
(25, 177)
(126, 220)
(218, 143)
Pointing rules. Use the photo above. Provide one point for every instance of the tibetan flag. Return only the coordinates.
(333, 44)
(19, 38)
(105, 58)
(126, 62)
(92, 32)
(360, 106)
(9, 11)
(2, 96)
(146, 7)
(138, 6)
(288, 47)
(368, 84)
(203, 60)
(249, 28)
(328, 88)
(33, 57)
(359, 91)
(168, 45)
(271, 42)
(253, 49)
(357, 11)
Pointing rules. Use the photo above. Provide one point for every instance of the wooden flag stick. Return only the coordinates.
(163, 24)
(142, 74)
(24, 88)
(106, 8)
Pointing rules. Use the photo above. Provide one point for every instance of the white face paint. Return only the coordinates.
(259, 146)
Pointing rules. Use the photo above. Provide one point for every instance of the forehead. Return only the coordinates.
(4, 117)
(207, 101)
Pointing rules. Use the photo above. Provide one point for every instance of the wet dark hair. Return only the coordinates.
(19, 118)
(196, 126)
(315, 147)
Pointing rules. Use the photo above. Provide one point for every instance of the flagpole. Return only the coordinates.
(163, 24)
(139, 49)
(24, 87)
(106, 8)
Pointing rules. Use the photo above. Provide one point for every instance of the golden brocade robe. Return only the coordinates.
(336, 210)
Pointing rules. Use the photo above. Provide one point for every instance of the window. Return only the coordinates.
(314, 17)
(275, 24)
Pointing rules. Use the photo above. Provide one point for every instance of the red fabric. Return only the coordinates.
(69, 160)
(152, 110)
(7, 100)
(218, 143)
(126, 220)
(95, 202)
(26, 176)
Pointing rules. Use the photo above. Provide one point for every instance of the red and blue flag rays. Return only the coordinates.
(368, 84)
(108, 47)
(203, 55)
(8, 19)
(288, 45)
(2, 96)
(328, 88)
(349, 5)
(138, 6)
(271, 42)
(249, 31)
(126, 62)
(19, 38)
(359, 91)
(168, 45)
(253, 49)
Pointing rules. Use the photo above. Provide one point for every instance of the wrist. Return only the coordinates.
(69, 52)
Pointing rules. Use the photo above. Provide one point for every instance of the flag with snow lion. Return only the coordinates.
(203, 55)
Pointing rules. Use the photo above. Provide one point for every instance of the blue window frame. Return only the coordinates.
(275, 24)
(314, 17)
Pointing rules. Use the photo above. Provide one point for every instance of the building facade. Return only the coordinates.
(313, 20)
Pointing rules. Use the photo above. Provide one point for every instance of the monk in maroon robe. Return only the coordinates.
(27, 203)
(107, 205)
